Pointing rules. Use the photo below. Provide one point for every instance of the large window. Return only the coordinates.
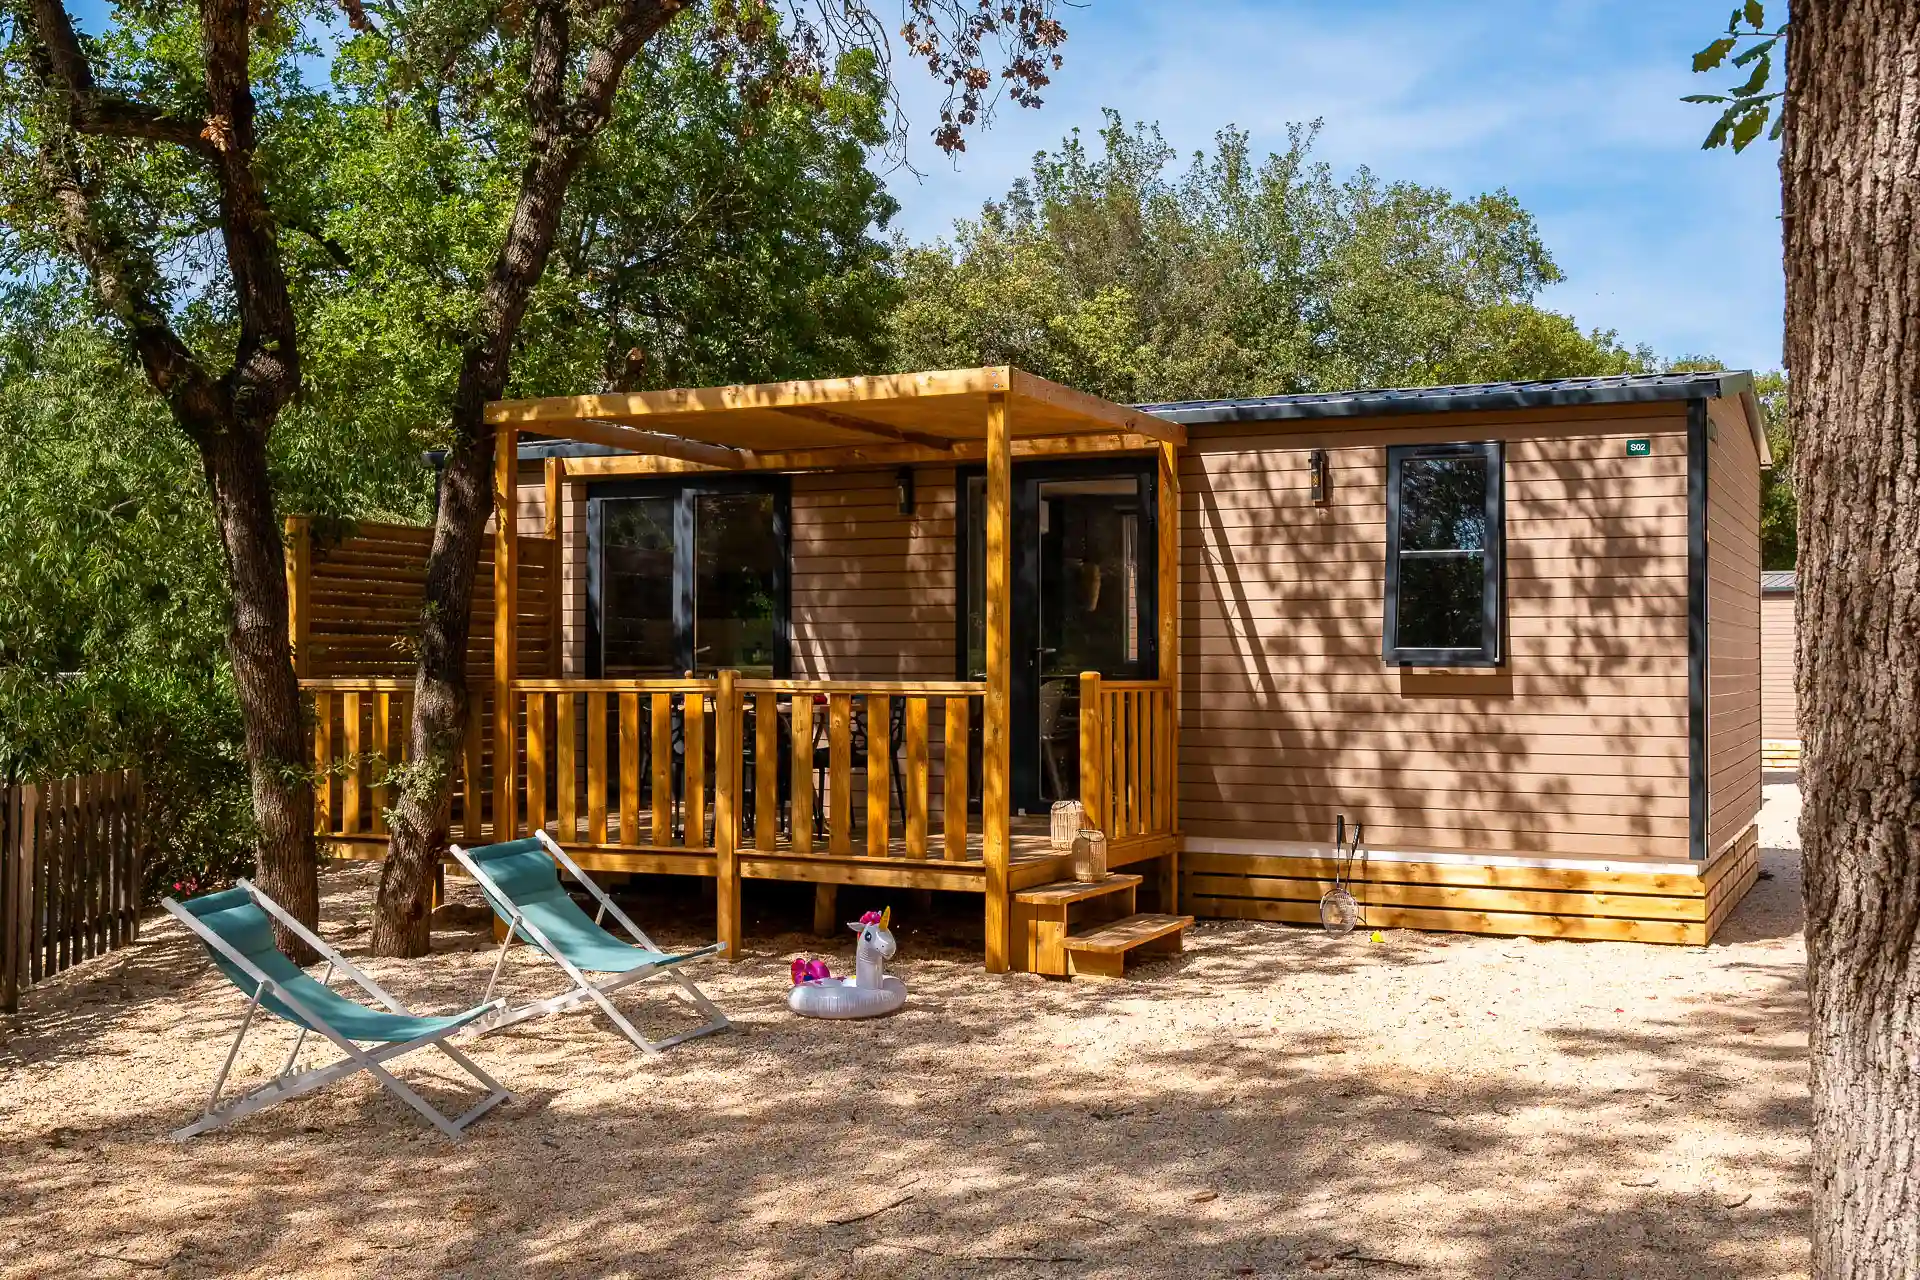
(687, 576)
(1446, 536)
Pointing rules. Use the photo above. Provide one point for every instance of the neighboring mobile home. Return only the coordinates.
(1779, 648)
(1513, 630)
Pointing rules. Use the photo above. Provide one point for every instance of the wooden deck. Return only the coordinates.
(1032, 861)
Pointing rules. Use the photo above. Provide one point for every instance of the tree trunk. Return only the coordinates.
(1849, 169)
(417, 828)
(236, 467)
(562, 132)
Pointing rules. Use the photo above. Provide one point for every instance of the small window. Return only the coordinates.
(1446, 535)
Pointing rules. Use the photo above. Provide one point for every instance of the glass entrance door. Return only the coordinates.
(1083, 578)
(1086, 599)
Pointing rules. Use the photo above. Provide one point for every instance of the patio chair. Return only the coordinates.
(234, 925)
(523, 886)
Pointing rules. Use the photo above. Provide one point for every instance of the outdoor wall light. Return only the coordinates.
(1319, 480)
(903, 485)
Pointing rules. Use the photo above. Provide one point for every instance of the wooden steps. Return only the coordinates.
(1070, 928)
(1103, 952)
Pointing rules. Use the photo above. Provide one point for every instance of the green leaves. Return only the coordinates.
(1714, 54)
(1746, 108)
(1114, 269)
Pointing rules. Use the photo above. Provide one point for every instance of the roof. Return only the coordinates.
(1777, 581)
(1626, 388)
(725, 425)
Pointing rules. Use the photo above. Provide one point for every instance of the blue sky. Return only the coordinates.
(1574, 107)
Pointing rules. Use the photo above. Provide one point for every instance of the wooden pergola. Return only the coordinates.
(994, 414)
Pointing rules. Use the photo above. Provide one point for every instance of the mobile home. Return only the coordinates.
(869, 630)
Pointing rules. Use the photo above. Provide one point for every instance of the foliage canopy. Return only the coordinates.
(1110, 269)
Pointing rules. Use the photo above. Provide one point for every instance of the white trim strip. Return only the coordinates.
(1312, 849)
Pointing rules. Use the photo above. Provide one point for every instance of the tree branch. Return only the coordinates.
(266, 367)
(121, 276)
(91, 111)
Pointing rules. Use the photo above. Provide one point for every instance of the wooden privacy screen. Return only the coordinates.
(355, 601)
(70, 875)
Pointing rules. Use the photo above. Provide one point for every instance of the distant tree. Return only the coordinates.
(112, 600)
(1109, 269)
(1849, 166)
(1779, 514)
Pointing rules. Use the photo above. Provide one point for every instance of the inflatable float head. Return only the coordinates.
(875, 935)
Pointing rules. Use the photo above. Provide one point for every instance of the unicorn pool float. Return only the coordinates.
(869, 993)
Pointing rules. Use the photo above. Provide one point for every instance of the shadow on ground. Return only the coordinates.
(1271, 1103)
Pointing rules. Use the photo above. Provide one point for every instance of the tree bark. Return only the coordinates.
(270, 710)
(1850, 168)
(562, 133)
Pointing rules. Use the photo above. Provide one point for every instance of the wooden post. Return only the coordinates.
(826, 902)
(726, 786)
(953, 813)
(506, 607)
(1093, 780)
(996, 758)
(299, 553)
(16, 864)
(557, 606)
(1168, 593)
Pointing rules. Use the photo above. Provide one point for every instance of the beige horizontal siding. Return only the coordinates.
(1779, 718)
(1733, 627)
(1577, 747)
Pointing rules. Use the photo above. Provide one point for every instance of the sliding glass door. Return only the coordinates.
(687, 576)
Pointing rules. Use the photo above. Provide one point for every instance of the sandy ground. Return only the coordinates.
(1271, 1103)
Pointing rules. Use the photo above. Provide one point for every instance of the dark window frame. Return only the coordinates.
(1490, 652)
(684, 489)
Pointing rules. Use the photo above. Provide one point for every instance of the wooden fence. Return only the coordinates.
(354, 597)
(70, 875)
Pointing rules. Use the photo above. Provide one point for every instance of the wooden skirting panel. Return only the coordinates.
(637, 861)
(1540, 902)
(1730, 876)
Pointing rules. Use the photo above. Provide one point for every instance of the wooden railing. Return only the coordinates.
(841, 768)
(622, 763)
(1127, 746)
(809, 732)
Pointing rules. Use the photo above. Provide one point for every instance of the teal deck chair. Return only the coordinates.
(234, 925)
(522, 884)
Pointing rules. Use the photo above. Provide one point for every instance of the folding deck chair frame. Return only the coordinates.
(285, 1086)
(585, 989)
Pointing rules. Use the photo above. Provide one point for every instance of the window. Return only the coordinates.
(687, 576)
(1446, 534)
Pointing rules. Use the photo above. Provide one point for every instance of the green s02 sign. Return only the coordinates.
(1639, 448)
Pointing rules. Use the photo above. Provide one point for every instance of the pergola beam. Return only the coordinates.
(1030, 387)
(839, 457)
(619, 435)
(865, 426)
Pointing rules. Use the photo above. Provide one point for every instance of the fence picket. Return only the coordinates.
(70, 875)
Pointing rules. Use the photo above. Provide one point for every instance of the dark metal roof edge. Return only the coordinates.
(1373, 404)
(539, 450)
